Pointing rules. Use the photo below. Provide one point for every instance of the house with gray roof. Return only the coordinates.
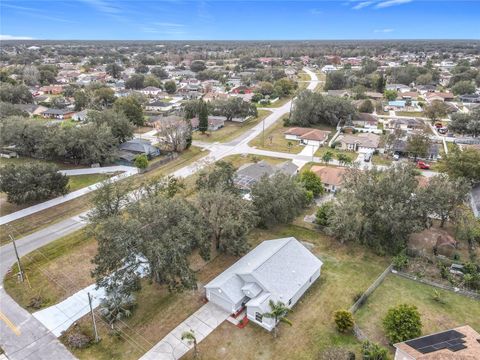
(129, 150)
(277, 270)
(249, 174)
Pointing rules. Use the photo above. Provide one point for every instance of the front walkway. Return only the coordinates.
(202, 322)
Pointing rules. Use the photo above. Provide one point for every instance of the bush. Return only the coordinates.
(141, 161)
(336, 353)
(402, 323)
(117, 306)
(75, 338)
(312, 182)
(400, 261)
(344, 321)
(324, 214)
(36, 302)
(372, 351)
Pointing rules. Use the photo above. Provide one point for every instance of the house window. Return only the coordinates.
(258, 317)
(290, 302)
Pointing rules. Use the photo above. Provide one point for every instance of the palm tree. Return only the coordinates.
(190, 337)
(327, 157)
(278, 312)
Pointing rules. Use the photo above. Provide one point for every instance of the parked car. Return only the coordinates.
(396, 157)
(438, 125)
(423, 165)
(443, 130)
(367, 157)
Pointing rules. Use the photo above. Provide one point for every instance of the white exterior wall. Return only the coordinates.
(219, 300)
(267, 323)
(304, 288)
(291, 137)
(312, 142)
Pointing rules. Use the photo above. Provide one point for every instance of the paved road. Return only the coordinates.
(33, 337)
(126, 171)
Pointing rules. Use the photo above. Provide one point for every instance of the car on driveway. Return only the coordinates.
(396, 157)
(423, 165)
(367, 157)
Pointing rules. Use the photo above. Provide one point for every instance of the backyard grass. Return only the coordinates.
(456, 310)
(231, 129)
(25, 160)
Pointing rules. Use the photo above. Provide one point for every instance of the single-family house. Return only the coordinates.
(130, 149)
(159, 106)
(59, 114)
(439, 96)
(307, 136)
(374, 95)
(31, 109)
(461, 343)
(332, 177)
(276, 270)
(214, 122)
(328, 69)
(365, 120)
(406, 124)
(470, 98)
(52, 89)
(423, 89)
(151, 91)
(249, 174)
(398, 87)
(363, 142)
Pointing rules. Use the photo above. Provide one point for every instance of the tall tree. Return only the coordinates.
(203, 117)
(121, 127)
(278, 199)
(174, 134)
(114, 70)
(418, 145)
(464, 164)
(132, 108)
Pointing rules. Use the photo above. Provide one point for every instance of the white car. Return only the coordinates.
(396, 157)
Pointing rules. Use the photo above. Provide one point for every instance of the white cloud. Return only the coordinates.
(170, 25)
(363, 4)
(388, 3)
(15, 37)
(384, 30)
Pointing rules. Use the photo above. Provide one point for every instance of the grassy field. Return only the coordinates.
(279, 102)
(75, 182)
(41, 219)
(410, 113)
(25, 160)
(54, 271)
(231, 129)
(456, 310)
(275, 139)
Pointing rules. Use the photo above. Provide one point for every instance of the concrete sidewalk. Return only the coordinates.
(202, 323)
(60, 317)
(126, 172)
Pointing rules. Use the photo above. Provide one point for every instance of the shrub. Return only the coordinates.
(336, 353)
(75, 338)
(141, 161)
(117, 306)
(36, 302)
(372, 351)
(312, 182)
(402, 323)
(324, 214)
(400, 261)
(344, 320)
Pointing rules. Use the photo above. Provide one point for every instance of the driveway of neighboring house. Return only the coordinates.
(202, 323)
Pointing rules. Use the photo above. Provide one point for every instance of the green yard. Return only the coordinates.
(410, 113)
(231, 130)
(321, 151)
(381, 160)
(274, 139)
(456, 310)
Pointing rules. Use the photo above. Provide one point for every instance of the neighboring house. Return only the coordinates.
(159, 106)
(328, 69)
(214, 123)
(80, 116)
(332, 177)
(276, 270)
(339, 93)
(130, 149)
(249, 174)
(367, 121)
(363, 143)
(374, 95)
(438, 96)
(470, 98)
(307, 136)
(31, 109)
(461, 343)
(52, 89)
(410, 95)
(400, 147)
(423, 89)
(59, 114)
(406, 124)
(151, 91)
(398, 87)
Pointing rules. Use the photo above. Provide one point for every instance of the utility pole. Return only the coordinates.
(93, 318)
(18, 258)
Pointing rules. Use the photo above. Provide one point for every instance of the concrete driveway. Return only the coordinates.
(202, 323)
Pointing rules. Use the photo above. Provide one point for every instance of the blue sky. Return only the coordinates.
(239, 20)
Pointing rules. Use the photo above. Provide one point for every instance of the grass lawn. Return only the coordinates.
(76, 182)
(275, 139)
(410, 113)
(456, 311)
(322, 150)
(47, 217)
(279, 102)
(231, 129)
(381, 160)
(25, 160)
(55, 271)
